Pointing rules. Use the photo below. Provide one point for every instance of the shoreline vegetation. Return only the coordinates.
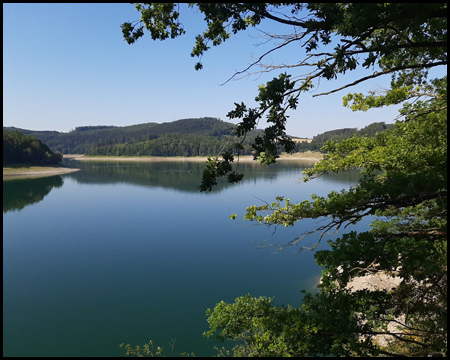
(25, 171)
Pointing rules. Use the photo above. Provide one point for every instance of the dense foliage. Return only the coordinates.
(403, 188)
(26, 149)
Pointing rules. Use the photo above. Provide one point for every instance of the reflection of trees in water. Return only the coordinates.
(22, 192)
(183, 175)
(178, 175)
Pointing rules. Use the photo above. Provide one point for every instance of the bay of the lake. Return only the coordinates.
(127, 252)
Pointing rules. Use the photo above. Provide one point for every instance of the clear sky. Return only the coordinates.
(67, 65)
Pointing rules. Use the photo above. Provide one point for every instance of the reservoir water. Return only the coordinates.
(124, 252)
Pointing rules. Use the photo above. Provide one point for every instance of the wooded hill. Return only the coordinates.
(19, 148)
(187, 137)
(85, 139)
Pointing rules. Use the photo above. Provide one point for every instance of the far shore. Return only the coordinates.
(308, 155)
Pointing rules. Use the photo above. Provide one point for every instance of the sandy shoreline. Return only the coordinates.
(311, 156)
(32, 171)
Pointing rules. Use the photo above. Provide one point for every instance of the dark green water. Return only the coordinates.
(132, 252)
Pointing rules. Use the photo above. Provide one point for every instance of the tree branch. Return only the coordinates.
(266, 14)
(259, 59)
(388, 71)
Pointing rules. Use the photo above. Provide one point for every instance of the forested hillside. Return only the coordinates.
(26, 149)
(86, 139)
(187, 137)
(174, 144)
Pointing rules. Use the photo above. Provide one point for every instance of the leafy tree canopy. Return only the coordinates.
(26, 149)
(403, 188)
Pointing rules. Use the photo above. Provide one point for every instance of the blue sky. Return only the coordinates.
(67, 65)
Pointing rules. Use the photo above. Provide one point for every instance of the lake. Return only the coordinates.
(124, 252)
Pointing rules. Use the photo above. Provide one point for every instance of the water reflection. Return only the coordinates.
(182, 176)
(185, 176)
(17, 194)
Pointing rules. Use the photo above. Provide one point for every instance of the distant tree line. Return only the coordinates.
(187, 137)
(200, 144)
(85, 139)
(171, 145)
(26, 149)
(96, 127)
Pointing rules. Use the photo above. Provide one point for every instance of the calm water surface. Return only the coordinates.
(132, 252)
